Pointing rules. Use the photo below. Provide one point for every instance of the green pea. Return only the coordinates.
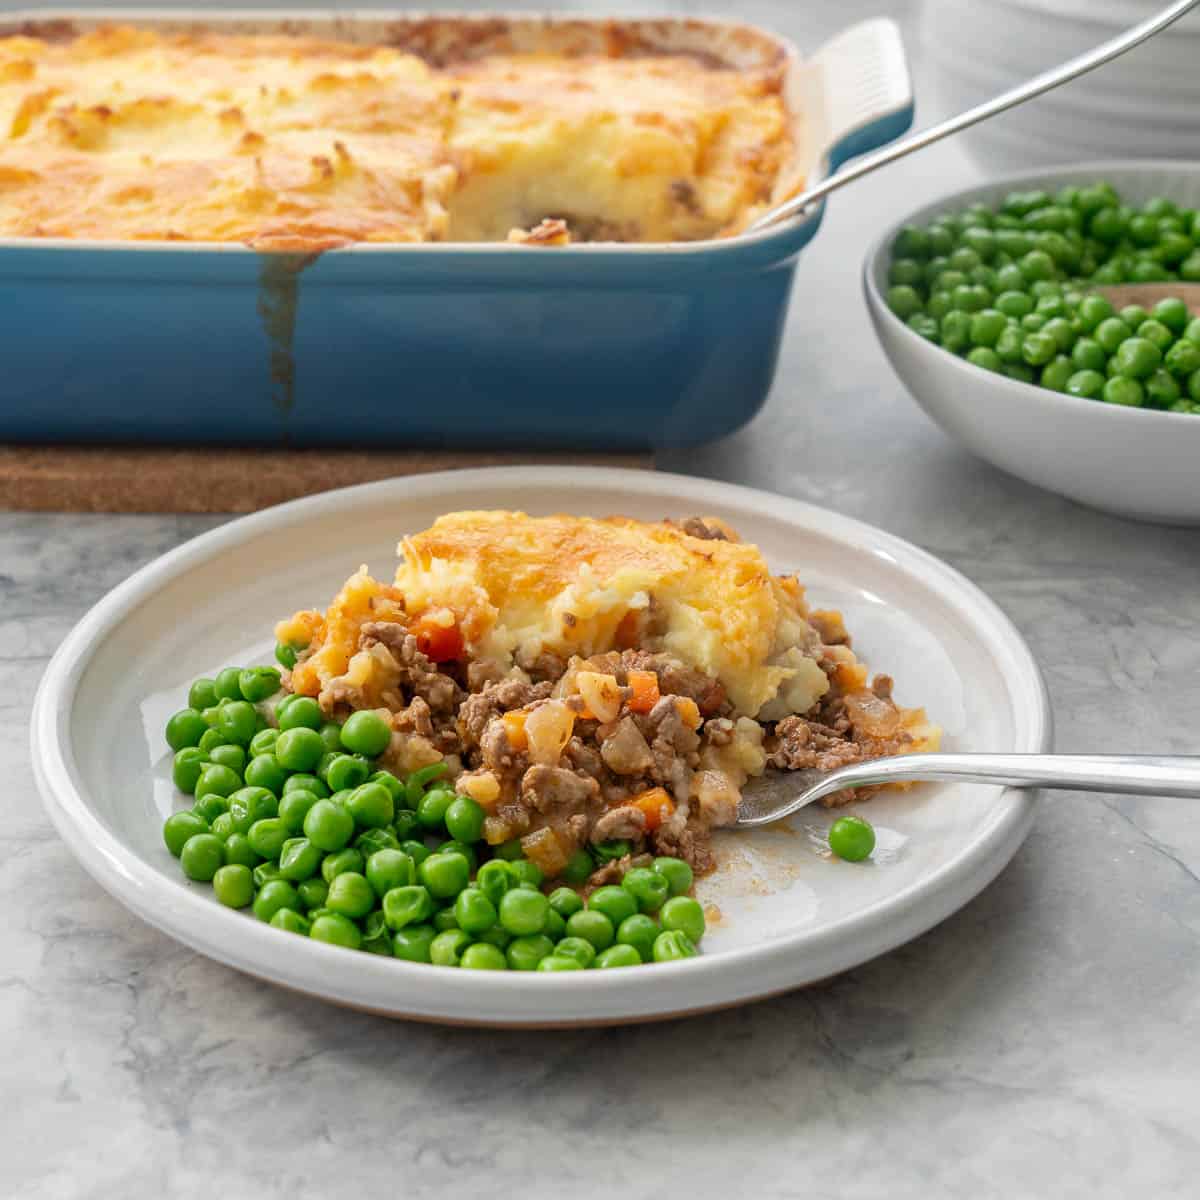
(1147, 270)
(1061, 330)
(233, 757)
(509, 851)
(1173, 313)
(223, 826)
(294, 807)
(582, 951)
(1143, 230)
(1014, 304)
(445, 919)
(1049, 218)
(1032, 323)
(1108, 224)
(328, 825)
(987, 326)
(412, 943)
(304, 782)
(1008, 345)
(1162, 389)
(593, 926)
(366, 733)
(686, 915)
(285, 655)
(179, 828)
(616, 903)
(524, 871)
(620, 955)
(580, 865)
(851, 839)
(211, 807)
(313, 892)
(948, 281)
(239, 850)
(216, 778)
(264, 771)
(187, 768)
(417, 851)
(672, 945)
(482, 957)
(351, 895)
(1038, 349)
(210, 741)
(639, 931)
(372, 840)
(202, 694)
(941, 240)
(1137, 358)
(464, 820)
(201, 856)
(388, 869)
(233, 885)
(495, 936)
(494, 879)
(473, 911)
(1018, 371)
(906, 272)
(268, 836)
(647, 887)
(1194, 385)
(1110, 333)
(911, 242)
(299, 748)
(433, 806)
(1181, 359)
(1088, 355)
(1009, 278)
(371, 806)
(263, 742)
(565, 901)
(300, 712)
(299, 859)
(290, 921)
(1156, 332)
(524, 953)
(226, 684)
(1056, 373)
(903, 300)
(982, 241)
(446, 950)
(272, 896)
(924, 326)
(1189, 269)
(1173, 247)
(406, 823)
(1109, 273)
(956, 330)
(349, 859)
(258, 683)
(556, 927)
(676, 872)
(1037, 265)
(266, 872)
(1087, 384)
(336, 930)
(237, 722)
(559, 962)
(250, 804)
(331, 737)
(347, 771)
(523, 912)
(185, 728)
(446, 875)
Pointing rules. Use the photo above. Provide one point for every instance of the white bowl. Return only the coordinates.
(1131, 462)
(790, 914)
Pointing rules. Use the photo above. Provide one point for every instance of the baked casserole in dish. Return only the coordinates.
(596, 681)
(478, 229)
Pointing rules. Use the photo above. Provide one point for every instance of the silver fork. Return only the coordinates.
(775, 795)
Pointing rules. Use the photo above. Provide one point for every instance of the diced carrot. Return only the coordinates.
(514, 729)
(656, 804)
(644, 686)
(441, 643)
(689, 711)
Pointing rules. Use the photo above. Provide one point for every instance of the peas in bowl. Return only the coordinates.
(1000, 308)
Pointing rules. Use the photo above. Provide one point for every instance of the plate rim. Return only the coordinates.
(503, 999)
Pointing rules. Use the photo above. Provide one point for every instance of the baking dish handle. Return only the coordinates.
(864, 91)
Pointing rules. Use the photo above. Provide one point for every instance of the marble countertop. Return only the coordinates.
(1036, 1044)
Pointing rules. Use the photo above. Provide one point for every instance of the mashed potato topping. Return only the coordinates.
(299, 141)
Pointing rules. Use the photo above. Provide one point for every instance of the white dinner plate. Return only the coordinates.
(790, 914)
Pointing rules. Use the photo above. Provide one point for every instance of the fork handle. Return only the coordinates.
(1127, 774)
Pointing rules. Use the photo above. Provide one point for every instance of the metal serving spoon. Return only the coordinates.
(1044, 82)
(775, 795)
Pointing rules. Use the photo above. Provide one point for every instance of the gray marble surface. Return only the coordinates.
(1040, 1043)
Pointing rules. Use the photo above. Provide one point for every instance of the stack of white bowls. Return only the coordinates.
(1145, 104)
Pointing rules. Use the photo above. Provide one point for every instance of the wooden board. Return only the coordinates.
(202, 480)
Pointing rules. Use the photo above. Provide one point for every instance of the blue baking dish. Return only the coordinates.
(616, 347)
